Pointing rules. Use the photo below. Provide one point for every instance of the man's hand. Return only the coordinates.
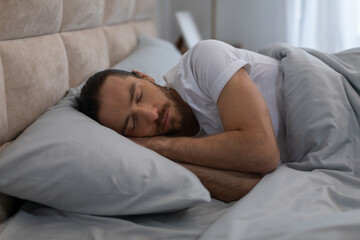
(156, 143)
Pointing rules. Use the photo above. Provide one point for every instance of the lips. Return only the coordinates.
(166, 119)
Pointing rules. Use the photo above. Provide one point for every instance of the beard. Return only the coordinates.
(177, 122)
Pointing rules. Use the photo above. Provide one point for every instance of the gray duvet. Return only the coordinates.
(314, 194)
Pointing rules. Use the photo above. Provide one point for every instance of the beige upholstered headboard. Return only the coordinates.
(49, 46)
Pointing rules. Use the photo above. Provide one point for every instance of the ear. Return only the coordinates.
(144, 76)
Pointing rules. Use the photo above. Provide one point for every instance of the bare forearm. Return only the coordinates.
(244, 152)
(223, 185)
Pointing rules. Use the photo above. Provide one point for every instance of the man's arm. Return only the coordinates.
(248, 143)
(223, 185)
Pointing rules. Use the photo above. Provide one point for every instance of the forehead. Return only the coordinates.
(114, 84)
(116, 87)
(113, 99)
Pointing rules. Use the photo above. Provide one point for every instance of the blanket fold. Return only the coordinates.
(322, 104)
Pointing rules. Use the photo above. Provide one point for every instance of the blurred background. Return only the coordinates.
(326, 25)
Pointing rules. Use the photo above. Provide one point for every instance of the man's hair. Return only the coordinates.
(88, 101)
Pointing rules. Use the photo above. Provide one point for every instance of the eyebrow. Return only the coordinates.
(132, 93)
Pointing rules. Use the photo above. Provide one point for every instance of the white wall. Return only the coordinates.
(250, 23)
(167, 26)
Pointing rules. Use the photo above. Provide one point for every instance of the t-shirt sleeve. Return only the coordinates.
(212, 64)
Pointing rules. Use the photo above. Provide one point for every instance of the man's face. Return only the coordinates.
(138, 108)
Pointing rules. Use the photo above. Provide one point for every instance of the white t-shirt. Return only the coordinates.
(205, 69)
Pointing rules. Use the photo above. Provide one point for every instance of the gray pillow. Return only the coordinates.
(153, 57)
(68, 161)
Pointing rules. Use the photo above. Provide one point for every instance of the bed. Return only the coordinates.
(63, 176)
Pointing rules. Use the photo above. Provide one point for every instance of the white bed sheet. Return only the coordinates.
(37, 222)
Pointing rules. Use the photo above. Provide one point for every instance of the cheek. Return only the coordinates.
(144, 130)
(109, 119)
(162, 93)
(178, 116)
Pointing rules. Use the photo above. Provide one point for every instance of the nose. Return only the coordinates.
(149, 113)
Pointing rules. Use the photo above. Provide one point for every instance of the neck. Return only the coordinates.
(191, 124)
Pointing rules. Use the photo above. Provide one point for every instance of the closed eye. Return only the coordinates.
(141, 95)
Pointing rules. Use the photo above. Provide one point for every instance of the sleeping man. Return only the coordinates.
(212, 117)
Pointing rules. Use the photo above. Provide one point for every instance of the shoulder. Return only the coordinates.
(209, 47)
(210, 43)
(216, 54)
(208, 54)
